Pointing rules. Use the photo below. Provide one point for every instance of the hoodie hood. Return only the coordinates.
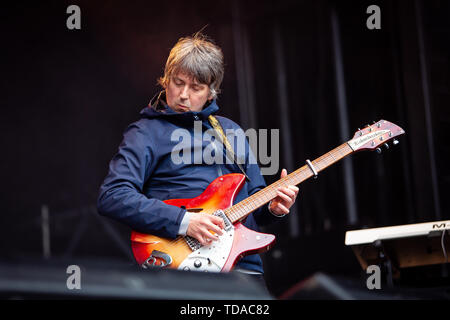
(158, 108)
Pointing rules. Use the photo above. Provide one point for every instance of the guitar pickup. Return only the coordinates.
(228, 224)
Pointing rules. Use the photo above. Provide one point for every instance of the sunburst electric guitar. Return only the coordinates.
(186, 253)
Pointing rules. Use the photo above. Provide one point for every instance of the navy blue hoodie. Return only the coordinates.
(142, 174)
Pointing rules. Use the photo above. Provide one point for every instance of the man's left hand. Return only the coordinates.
(285, 199)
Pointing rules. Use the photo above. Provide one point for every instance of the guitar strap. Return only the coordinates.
(216, 125)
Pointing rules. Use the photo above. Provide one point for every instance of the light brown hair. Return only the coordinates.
(196, 56)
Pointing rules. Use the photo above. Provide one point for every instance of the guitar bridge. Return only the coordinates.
(192, 243)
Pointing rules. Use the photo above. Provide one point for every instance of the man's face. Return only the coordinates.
(184, 93)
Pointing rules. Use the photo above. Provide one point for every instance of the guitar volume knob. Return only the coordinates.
(197, 263)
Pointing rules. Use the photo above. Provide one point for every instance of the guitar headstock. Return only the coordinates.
(372, 137)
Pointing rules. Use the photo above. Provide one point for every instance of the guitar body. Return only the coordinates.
(220, 256)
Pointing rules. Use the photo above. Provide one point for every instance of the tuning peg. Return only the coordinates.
(395, 142)
(386, 145)
(378, 150)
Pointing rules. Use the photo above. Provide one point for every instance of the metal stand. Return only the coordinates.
(386, 265)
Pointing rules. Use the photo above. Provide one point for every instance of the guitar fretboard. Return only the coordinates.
(242, 209)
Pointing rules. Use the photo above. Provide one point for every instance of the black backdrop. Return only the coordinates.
(67, 96)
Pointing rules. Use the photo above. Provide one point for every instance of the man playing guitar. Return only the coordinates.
(143, 173)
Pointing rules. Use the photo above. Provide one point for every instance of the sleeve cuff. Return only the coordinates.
(184, 223)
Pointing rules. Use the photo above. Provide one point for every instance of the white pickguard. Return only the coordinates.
(210, 258)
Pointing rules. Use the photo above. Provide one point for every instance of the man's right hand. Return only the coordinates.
(201, 225)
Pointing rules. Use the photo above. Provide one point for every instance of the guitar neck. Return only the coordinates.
(242, 209)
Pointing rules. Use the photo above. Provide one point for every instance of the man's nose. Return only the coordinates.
(184, 93)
